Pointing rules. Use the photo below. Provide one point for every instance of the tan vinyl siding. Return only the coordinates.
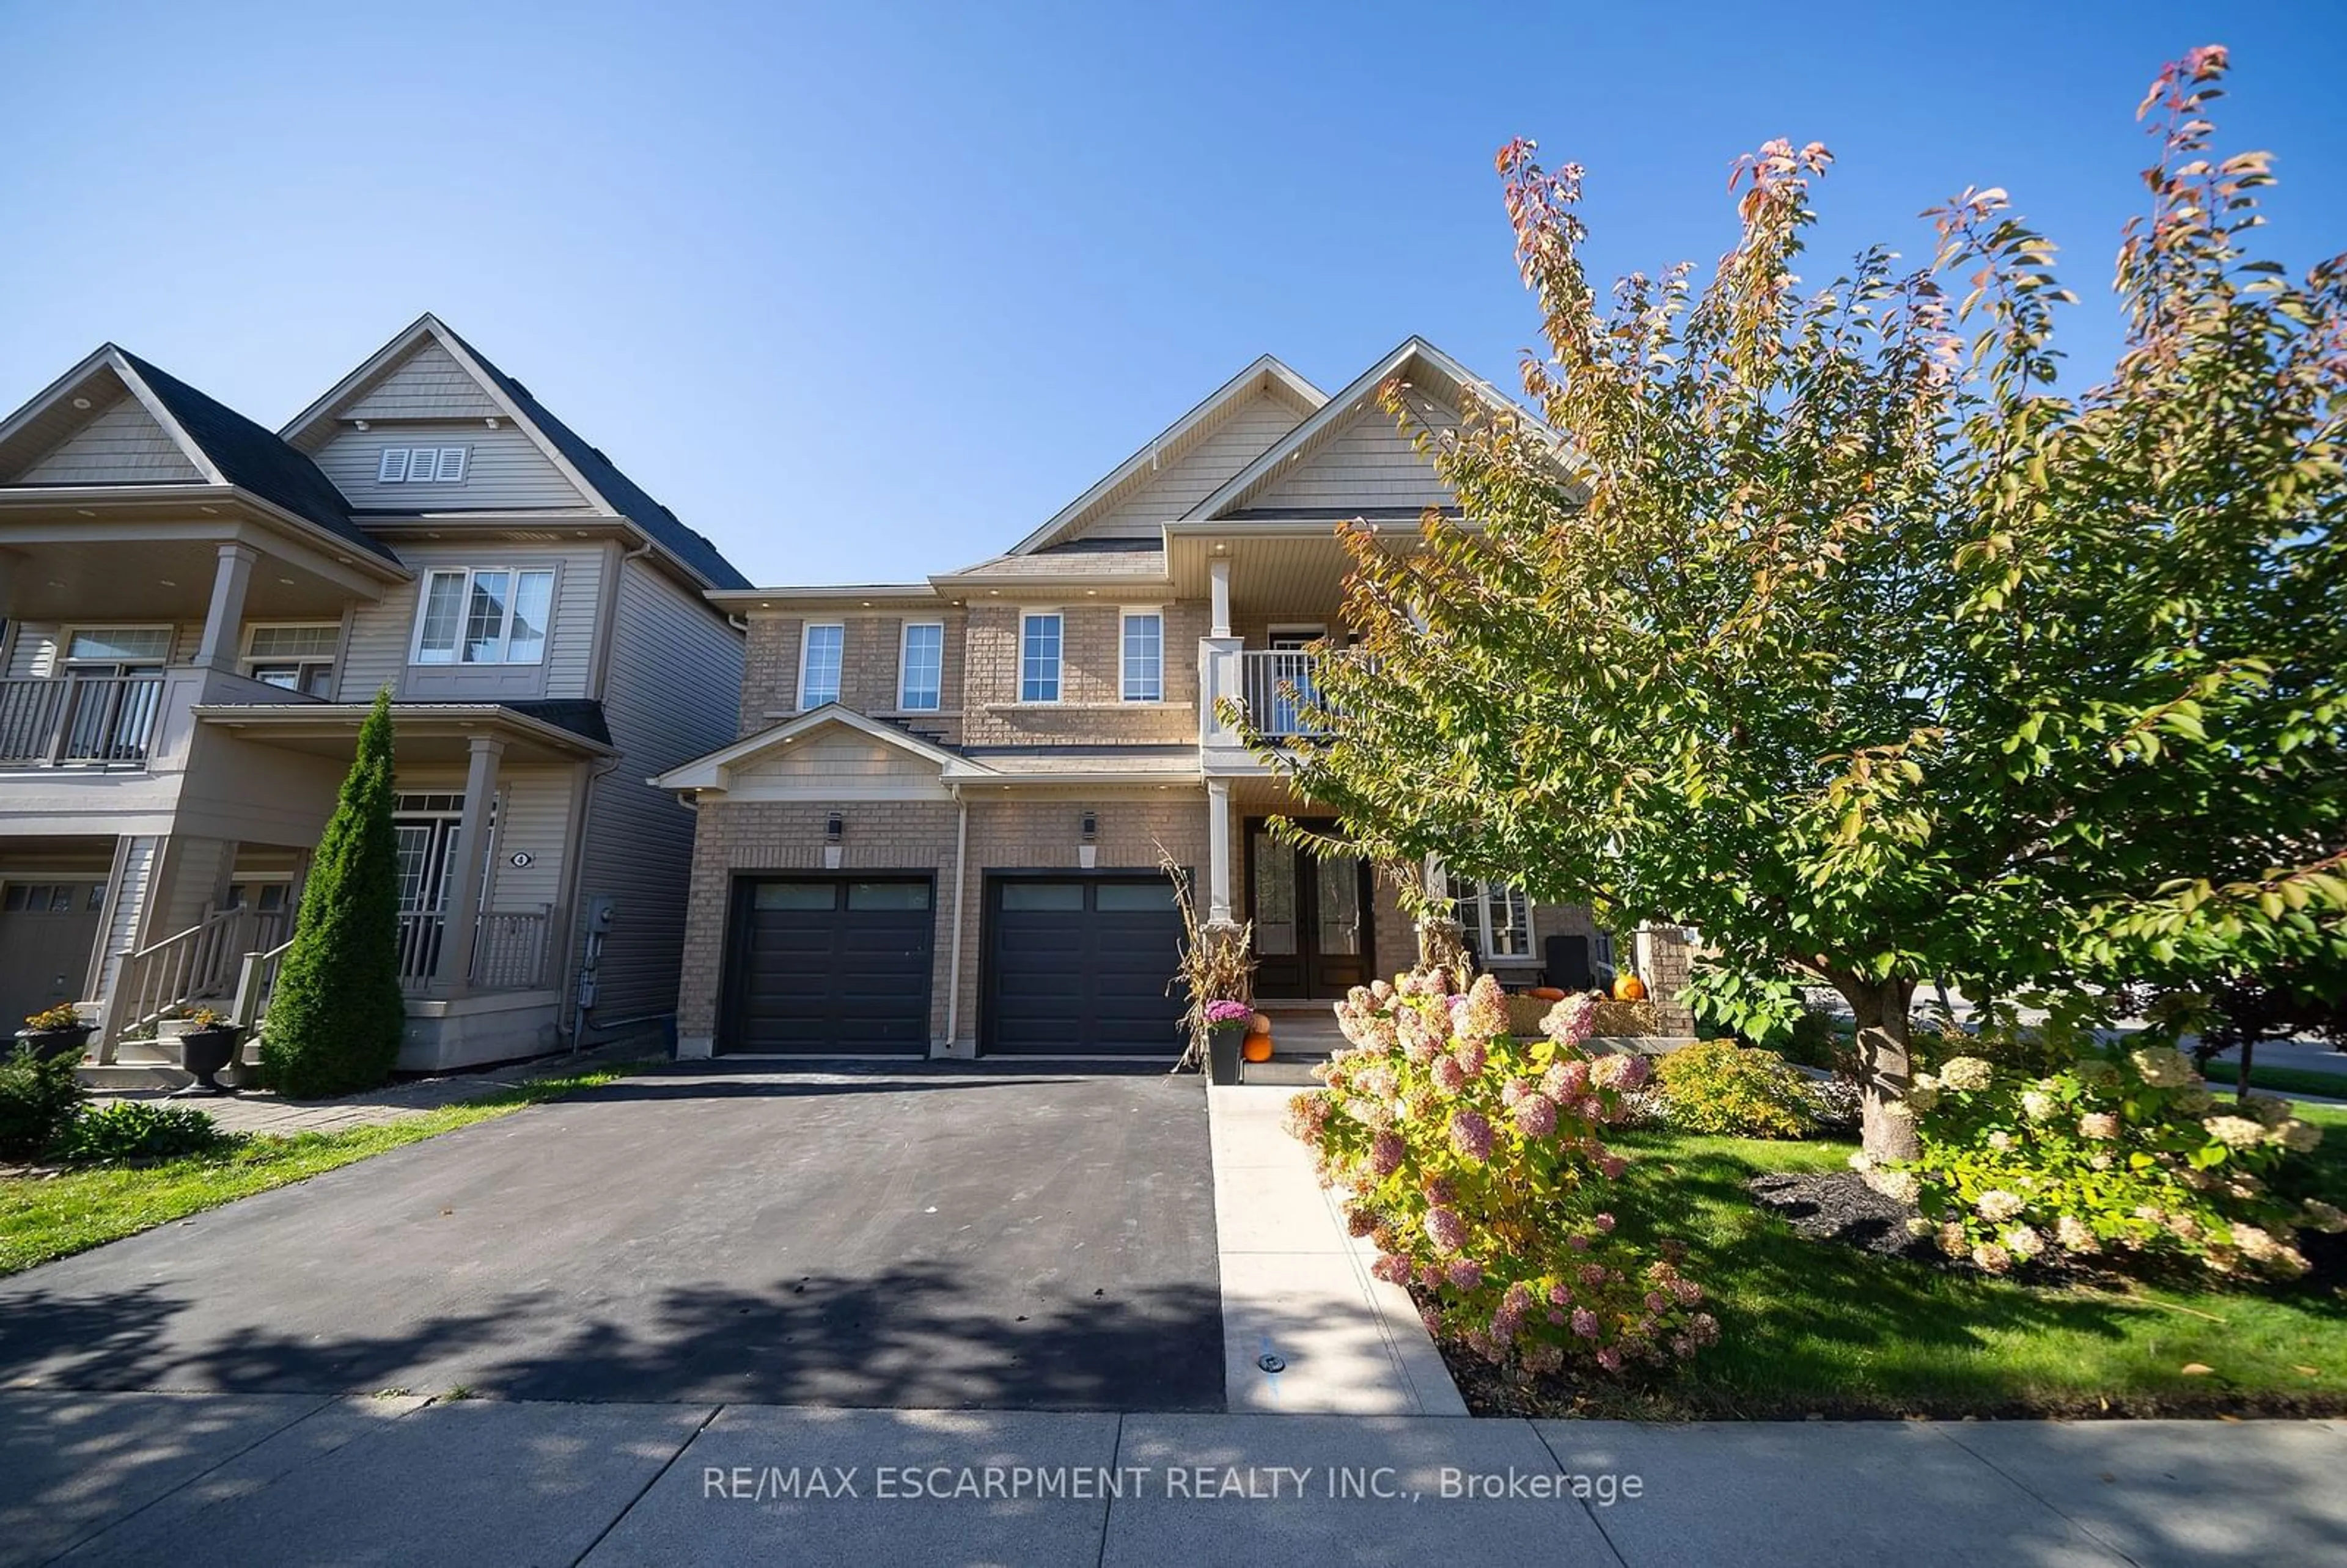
(1366, 462)
(121, 445)
(137, 865)
(504, 472)
(671, 690)
(383, 634)
(1183, 483)
(533, 818)
(427, 384)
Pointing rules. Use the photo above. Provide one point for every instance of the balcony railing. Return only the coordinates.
(1280, 688)
(510, 950)
(79, 721)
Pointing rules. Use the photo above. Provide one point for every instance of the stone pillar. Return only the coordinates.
(462, 904)
(225, 620)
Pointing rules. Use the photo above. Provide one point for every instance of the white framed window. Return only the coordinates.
(483, 615)
(921, 667)
(822, 647)
(420, 465)
(1497, 917)
(1039, 636)
(297, 658)
(1142, 656)
(124, 646)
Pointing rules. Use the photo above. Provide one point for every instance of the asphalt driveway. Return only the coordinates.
(945, 1235)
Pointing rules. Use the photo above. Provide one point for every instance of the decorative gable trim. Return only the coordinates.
(1416, 359)
(307, 428)
(89, 377)
(714, 770)
(1266, 374)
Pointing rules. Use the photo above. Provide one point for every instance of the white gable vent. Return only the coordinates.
(420, 465)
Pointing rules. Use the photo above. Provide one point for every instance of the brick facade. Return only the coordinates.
(1090, 710)
(871, 645)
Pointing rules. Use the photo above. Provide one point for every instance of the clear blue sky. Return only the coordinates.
(867, 291)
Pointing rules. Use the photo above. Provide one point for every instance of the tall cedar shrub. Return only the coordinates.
(335, 1023)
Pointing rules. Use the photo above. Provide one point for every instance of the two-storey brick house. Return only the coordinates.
(939, 829)
(199, 611)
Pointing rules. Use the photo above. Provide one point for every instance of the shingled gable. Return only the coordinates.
(583, 465)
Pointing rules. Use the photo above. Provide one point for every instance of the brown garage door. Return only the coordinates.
(1078, 964)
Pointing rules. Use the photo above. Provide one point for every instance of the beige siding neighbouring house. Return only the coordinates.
(122, 444)
(665, 643)
(1170, 491)
(504, 470)
(427, 384)
(1369, 462)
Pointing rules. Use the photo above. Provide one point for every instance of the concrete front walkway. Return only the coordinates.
(1297, 1288)
(229, 1479)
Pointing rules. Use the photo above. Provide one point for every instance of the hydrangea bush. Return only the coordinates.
(1476, 1163)
(2124, 1155)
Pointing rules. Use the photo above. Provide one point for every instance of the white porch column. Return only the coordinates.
(223, 621)
(463, 904)
(1218, 574)
(1218, 852)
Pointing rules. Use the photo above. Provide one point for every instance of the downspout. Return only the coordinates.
(953, 942)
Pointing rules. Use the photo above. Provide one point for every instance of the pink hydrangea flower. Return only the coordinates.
(1604, 1222)
(1386, 1152)
(1577, 1241)
(1584, 1322)
(1445, 1229)
(1592, 1274)
(1448, 1076)
(1535, 1115)
(1465, 1273)
(1561, 1293)
(1470, 1057)
(1610, 1358)
(1395, 1270)
(1471, 1134)
(1485, 1015)
(1613, 1165)
(1513, 1090)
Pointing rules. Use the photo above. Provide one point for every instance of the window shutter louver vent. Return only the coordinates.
(393, 467)
(451, 464)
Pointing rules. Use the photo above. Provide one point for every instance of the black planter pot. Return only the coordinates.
(49, 1044)
(204, 1052)
(1222, 1053)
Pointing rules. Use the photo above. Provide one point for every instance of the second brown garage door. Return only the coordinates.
(1077, 964)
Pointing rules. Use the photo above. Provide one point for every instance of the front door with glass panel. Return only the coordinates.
(426, 829)
(1311, 916)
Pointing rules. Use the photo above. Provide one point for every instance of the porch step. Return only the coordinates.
(123, 1077)
(1286, 1070)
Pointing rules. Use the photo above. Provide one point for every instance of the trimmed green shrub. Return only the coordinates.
(335, 1023)
(2125, 1155)
(39, 1102)
(1739, 1091)
(1477, 1164)
(133, 1129)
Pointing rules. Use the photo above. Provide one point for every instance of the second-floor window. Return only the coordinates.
(921, 680)
(484, 615)
(819, 662)
(298, 658)
(420, 465)
(1144, 656)
(1039, 658)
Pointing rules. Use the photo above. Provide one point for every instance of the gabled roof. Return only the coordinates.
(223, 446)
(1416, 359)
(583, 463)
(709, 771)
(252, 457)
(1265, 375)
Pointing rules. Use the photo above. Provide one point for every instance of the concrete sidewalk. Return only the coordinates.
(242, 1478)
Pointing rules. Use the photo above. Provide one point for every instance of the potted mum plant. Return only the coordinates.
(1226, 1026)
(56, 1031)
(208, 1043)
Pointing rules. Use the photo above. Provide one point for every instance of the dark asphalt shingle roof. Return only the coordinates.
(624, 494)
(577, 716)
(252, 458)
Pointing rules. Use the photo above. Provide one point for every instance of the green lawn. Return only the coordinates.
(57, 1216)
(1820, 1326)
(2223, 1075)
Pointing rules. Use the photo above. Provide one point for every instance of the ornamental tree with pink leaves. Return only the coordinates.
(1822, 618)
(1476, 1163)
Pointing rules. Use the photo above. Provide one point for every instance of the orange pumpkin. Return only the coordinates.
(1257, 1048)
(1545, 994)
(1629, 988)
